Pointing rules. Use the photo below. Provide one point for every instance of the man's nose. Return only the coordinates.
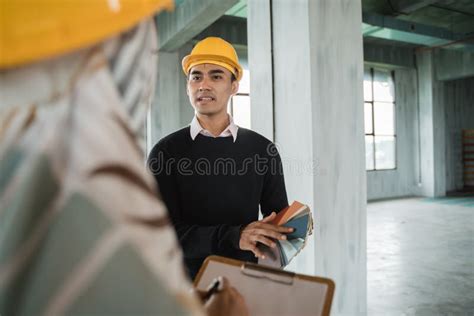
(204, 84)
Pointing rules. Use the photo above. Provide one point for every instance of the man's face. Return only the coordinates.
(209, 88)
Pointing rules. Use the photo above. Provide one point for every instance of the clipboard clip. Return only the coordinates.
(262, 272)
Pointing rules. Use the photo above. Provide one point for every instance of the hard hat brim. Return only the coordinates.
(194, 60)
(36, 30)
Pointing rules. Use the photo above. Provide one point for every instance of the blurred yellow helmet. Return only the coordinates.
(213, 50)
(31, 30)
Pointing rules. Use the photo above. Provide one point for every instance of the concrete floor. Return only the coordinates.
(420, 257)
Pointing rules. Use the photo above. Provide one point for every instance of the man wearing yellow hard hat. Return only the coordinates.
(218, 174)
(81, 228)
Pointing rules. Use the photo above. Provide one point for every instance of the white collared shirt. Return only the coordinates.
(230, 130)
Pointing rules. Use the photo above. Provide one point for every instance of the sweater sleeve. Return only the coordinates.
(274, 197)
(197, 241)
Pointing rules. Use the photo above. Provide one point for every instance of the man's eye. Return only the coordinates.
(217, 77)
(195, 78)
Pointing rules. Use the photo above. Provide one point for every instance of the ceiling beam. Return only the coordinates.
(188, 20)
(231, 28)
(388, 55)
(451, 65)
(380, 26)
(409, 6)
(373, 22)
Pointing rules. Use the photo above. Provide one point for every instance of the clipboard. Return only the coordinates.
(270, 291)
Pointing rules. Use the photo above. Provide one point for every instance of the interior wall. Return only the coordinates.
(451, 111)
(459, 109)
(170, 109)
(402, 181)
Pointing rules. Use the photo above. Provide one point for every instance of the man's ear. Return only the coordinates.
(235, 87)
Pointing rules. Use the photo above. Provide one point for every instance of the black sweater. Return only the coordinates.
(213, 186)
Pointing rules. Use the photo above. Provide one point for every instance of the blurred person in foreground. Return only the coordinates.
(81, 228)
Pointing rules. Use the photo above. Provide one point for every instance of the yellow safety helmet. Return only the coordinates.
(34, 30)
(213, 50)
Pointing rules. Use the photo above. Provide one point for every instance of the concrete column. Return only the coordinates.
(432, 127)
(318, 124)
(259, 40)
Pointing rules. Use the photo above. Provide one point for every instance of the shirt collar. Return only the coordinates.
(196, 129)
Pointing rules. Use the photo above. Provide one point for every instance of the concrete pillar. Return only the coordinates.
(432, 127)
(318, 126)
(260, 61)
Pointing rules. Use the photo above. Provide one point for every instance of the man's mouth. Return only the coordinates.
(206, 98)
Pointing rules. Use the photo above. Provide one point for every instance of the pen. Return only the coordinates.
(214, 289)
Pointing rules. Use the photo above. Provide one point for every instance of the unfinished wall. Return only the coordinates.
(428, 132)
(459, 109)
(404, 179)
(170, 109)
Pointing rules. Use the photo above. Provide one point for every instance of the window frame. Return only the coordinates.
(373, 135)
(230, 106)
(238, 94)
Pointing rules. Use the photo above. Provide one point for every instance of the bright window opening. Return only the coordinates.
(379, 115)
(239, 105)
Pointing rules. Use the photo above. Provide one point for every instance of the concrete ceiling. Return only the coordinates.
(454, 15)
(418, 23)
(432, 23)
(239, 10)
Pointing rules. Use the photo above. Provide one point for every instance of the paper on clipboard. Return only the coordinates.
(270, 291)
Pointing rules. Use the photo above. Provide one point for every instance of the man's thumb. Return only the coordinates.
(269, 218)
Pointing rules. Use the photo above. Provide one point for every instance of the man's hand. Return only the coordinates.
(263, 232)
(226, 301)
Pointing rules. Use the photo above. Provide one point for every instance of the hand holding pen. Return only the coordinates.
(223, 299)
(213, 289)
